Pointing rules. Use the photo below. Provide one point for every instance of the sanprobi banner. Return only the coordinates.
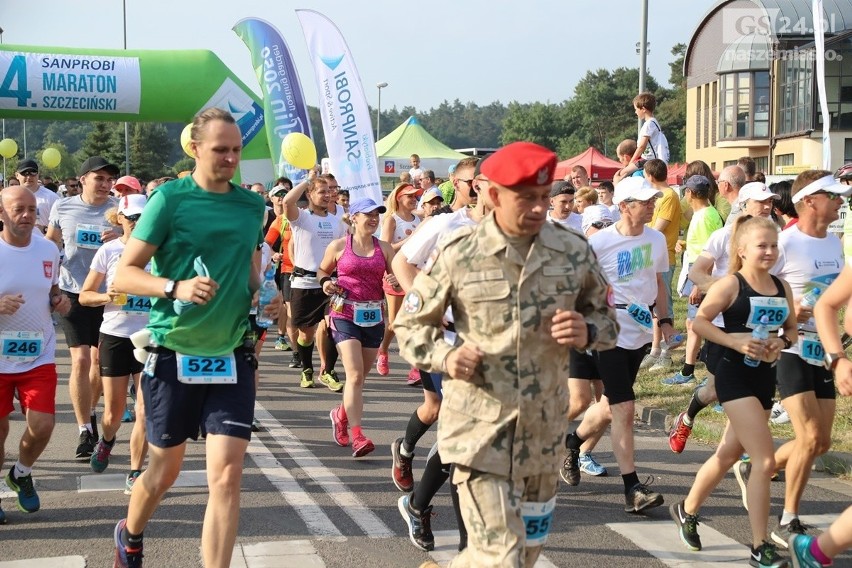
(283, 101)
(343, 107)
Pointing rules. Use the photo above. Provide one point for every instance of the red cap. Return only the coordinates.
(519, 164)
(127, 184)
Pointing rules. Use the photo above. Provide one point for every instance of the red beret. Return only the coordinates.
(520, 163)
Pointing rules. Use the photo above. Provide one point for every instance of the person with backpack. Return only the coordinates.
(651, 143)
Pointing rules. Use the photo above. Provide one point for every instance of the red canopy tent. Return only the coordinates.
(676, 173)
(598, 166)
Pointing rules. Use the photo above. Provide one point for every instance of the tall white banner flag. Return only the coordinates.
(343, 107)
(819, 70)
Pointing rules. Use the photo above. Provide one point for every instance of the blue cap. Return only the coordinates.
(366, 205)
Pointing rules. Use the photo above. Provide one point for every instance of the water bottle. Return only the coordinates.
(676, 341)
(268, 291)
(809, 300)
(761, 332)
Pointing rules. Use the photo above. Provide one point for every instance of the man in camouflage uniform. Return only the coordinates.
(523, 293)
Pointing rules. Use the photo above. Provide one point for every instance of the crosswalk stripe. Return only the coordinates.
(369, 522)
(447, 544)
(56, 562)
(299, 553)
(93, 482)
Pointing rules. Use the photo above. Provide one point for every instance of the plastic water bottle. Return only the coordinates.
(761, 332)
(268, 291)
(676, 341)
(809, 300)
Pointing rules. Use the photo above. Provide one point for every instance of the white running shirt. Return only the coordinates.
(311, 236)
(120, 321)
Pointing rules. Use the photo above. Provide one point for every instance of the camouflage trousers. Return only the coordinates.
(491, 507)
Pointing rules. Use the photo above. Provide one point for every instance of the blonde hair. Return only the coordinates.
(391, 203)
(111, 216)
(206, 116)
(588, 194)
(743, 226)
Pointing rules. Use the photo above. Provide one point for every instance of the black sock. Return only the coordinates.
(413, 432)
(130, 540)
(454, 494)
(688, 369)
(306, 354)
(434, 476)
(329, 351)
(573, 441)
(109, 443)
(630, 481)
(695, 406)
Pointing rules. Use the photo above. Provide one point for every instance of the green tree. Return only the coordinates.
(542, 123)
(67, 167)
(671, 112)
(149, 150)
(106, 139)
(184, 164)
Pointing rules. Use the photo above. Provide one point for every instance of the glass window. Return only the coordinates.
(698, 117)
(795, 109)
(761, 164)
(847, 151)
(744, 109)
(784, 160)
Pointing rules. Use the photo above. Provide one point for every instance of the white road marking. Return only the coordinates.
(92, 482)
(369, 522)
(56, 562)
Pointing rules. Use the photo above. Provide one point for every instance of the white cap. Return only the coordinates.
(132, 204)
(827, 183)
(756, 191)
(634, 188)
(431, 194)
(594, 214)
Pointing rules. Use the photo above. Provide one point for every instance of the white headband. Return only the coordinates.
(814, 186)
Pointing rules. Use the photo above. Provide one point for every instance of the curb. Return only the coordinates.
(834, 463)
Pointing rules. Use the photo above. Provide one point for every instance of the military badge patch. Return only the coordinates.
(412, 303)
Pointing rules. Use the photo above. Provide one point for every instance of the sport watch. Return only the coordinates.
(169, 290)
(831, 359)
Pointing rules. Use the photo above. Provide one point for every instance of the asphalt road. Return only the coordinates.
(307, 503)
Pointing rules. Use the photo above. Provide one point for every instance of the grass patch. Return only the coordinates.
(710, 424)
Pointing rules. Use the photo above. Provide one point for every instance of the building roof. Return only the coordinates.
(748, 53)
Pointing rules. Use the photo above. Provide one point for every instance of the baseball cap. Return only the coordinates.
(431, 194)
(634, 189)
(96, 163)
(595, 214)
(451, 169)
(127, 182)
(699, 185)
(366, 205)
(278, 191)
(408, 190)
(757, 191)
(520, 164)
(827, 184)
(27, 165)
(132, 204)
(561, 187)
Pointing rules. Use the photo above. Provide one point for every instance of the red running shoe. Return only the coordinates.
(382, 363)
(362, 446)
(414, 379)
(401, 470)
(340, 427)
(679, 434)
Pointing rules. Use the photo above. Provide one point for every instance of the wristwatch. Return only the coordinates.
(831, 359)
(169, 290)
(591, 335)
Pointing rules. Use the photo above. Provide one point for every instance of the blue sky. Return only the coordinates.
(471, 50)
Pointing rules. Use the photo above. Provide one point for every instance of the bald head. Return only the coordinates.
(16, 194)
(18, 213)
(734, 175)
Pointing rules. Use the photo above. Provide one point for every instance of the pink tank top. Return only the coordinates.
(361, 277)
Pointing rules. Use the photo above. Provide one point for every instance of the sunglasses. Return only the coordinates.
(132, 218)
(828, 194)
(28, 173)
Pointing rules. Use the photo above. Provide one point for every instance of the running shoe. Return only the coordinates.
(640, 497)
(401, 469)
(679, 434)
(100, 458)
(742, 471)
(589, 466)
(307, 381)
(127, 416)
(570, 470)
(130, 481)
(414, 379)
(361, 446)
(799, 546)
(382, 365)
(663, 363)
(339, 427)
(678, 379)
(255, 425)
(778, 414)
(783, 533)
(86, 446)
(647, 361)
(295, 360)
(281, 344)
(329, 379)
(767, 555)
(125, 557)
(687, 526)
(28, 501)
(419, 523)
(718, 408)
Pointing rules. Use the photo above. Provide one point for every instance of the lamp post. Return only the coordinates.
(126, 128)
(643, 53)
(379, 86)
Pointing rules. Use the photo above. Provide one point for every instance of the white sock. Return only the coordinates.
(84, 427)
(786, 517)
(22, 470)
(655, 352)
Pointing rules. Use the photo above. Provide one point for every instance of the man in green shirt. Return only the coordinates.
(206, 268)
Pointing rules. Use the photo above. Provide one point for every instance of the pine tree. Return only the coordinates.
(149, 150)
(106, 139)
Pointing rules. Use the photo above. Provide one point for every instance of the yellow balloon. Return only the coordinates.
(8, 147)
(51, 157)
(185, 139)
(299, 150)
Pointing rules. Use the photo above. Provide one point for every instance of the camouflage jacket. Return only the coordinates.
(510, 418)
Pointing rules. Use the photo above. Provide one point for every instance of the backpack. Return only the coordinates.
(661, 150)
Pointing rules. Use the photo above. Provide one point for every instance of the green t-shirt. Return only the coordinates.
(183, 221)
(448, 192)
(704, 222)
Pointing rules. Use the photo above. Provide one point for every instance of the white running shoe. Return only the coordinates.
(778, 415)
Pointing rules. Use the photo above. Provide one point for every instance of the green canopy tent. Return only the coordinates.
(394, 150)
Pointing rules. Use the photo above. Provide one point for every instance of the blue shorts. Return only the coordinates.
(369, 337)
(174, 411)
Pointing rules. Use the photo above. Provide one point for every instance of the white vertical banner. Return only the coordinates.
(819, 44)
(345, 115)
